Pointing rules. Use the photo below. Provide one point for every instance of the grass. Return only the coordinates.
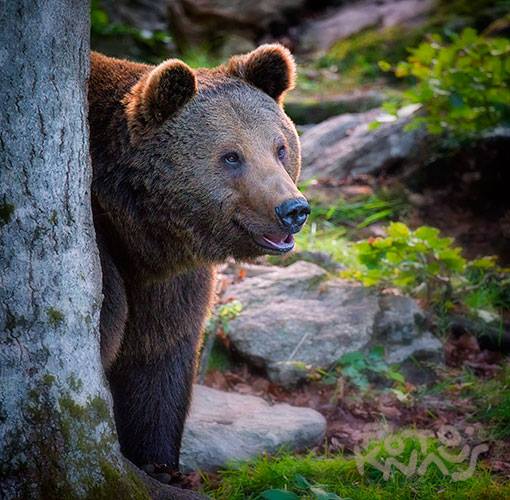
(331, 228)
(360, 212)
(288, 476)
(492, 399)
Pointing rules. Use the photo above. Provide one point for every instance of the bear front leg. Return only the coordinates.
(151, 400)
(151, 379)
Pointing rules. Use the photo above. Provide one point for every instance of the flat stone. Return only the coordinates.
(224, 427)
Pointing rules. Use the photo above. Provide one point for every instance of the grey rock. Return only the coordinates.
(346, 145)
(400, 327)
(295, 318)
(224, 427)
(321, 33)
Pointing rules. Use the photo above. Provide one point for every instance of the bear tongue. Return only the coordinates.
(278, 241)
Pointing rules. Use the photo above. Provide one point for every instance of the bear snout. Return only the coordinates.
(292, 214)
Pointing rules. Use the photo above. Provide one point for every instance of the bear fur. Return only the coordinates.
(170, 201)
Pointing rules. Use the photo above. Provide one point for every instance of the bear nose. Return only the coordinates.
(293, 213)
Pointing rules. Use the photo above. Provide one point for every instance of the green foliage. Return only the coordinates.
(359, 213)
(311, 477)
(219, 359)
(488, 285)
(329, 239)
(424, 264)
(223, 315)
(356, 57)
(408, 259)
(419, 262)
(357, 366)
(200, 58)
(462, 85)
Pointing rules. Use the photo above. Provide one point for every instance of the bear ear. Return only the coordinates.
(160, 94)
(270, 68)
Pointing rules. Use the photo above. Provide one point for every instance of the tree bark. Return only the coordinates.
(57, 437)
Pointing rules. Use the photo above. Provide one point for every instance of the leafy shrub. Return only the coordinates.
(408, 259)
(463, 85)
(424, 264)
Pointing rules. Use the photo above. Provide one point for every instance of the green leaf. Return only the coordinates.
(397, 376)
(384, 66)
(402, 70)
(352, 358)
(398, 230)
(484, 263)
(377, 352)
(301, 482)
(277, 494)
(320, 494)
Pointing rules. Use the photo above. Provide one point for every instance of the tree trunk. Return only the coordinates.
(57, 437)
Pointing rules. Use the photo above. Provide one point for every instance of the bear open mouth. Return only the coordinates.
(276, 242)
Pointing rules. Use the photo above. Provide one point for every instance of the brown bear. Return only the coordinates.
(190, 167)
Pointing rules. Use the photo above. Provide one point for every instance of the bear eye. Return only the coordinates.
(282, 153)
(232, 159)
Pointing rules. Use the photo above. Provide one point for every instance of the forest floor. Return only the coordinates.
(468, 393)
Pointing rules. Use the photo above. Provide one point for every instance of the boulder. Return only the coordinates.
(295, 318)
(223, 427)
(395, 327)
(320, 34)
(347, 144)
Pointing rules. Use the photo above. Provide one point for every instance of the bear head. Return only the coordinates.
(214, 160)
